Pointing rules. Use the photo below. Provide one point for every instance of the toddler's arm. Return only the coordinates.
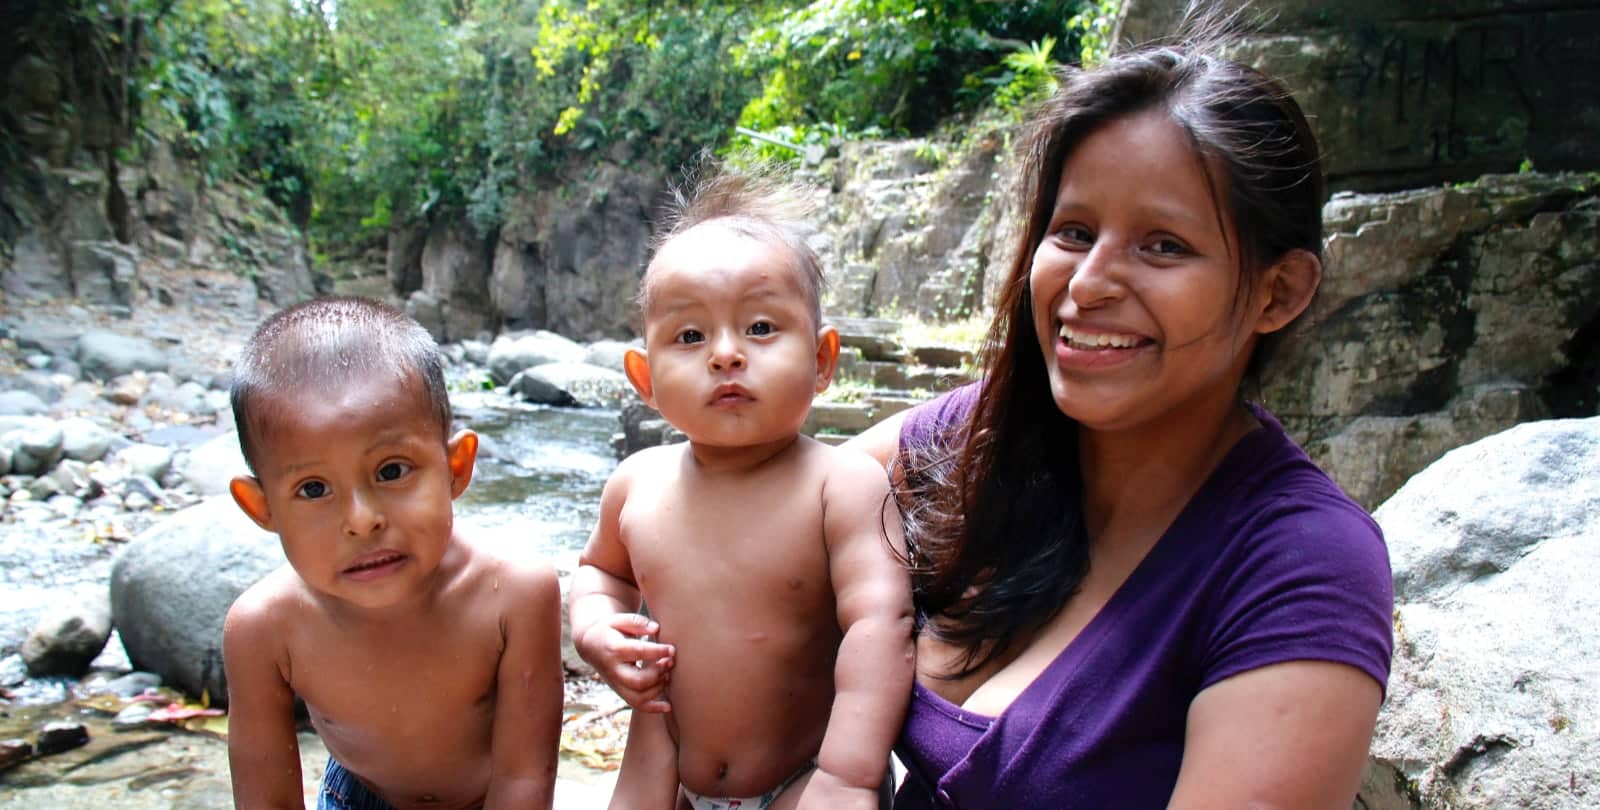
(876, 658)
(606, 628)
(529, 692)
(263, 754)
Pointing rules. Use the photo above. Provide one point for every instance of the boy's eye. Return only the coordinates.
(312, 490)
(761, 328)
(393, 471)
(690, 336)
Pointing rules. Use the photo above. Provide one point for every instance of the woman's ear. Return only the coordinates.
(637, 367)
(827, 356)
(1288, 287)
(252, 499)
(462, 450)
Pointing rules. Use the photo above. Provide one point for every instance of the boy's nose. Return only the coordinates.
(363, 517)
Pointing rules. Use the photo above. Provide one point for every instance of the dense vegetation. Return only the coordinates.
(353, 114)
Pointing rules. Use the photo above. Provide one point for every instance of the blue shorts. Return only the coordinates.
(341, 790)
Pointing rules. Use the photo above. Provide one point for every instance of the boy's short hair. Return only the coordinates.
(324, 341)
(760, 202)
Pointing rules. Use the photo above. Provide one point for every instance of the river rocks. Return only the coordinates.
(1496, 681)
(106, 355)
(34, 445)
(85, 440)
(209, 467)
(571, 384)
(21, 403)
(69, 636)
(172, 585)
(510, 354)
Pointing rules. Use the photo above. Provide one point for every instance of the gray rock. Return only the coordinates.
(209, 467)
(149, 460)
(1495, 549)
(69, 635)
(85, 439)
(21, 403)
(170, 619)
(572, 384)
(133, 683)
(609, 353)
(509, 355)
(35, 449)
(105, 355)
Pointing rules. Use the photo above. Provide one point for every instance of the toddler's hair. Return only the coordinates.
(762, 202)
(323, 343)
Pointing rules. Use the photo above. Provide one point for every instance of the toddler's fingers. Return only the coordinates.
(635, 624)
(638, 650)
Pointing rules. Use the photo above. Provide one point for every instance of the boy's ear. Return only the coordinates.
(637, 367)
(827, 356)
(252, 499)
(462, 451)
(1289, 287)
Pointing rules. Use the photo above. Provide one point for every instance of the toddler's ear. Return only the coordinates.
(252, 499)
(637, 367)
(827, 356)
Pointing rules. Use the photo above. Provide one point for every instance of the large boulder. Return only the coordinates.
(1496, 680)
(572, 384)
(106, 355)
(510, 354)
(171, 587)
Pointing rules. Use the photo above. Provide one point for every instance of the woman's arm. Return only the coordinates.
(881, 441)
(1290, 736)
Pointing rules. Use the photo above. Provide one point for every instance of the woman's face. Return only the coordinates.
(1135, 286)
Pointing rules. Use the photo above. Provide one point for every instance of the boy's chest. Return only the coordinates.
(388, 681)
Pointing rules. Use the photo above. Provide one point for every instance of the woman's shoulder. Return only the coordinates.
(938, 416)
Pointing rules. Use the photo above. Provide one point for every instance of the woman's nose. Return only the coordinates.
(1097, 278)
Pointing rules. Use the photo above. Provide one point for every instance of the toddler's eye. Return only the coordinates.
(312, 490)
(392, 471)
(690, 336)
(760, 328)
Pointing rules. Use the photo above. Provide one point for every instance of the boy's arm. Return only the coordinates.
(263, 754)
(873, 675)
(649, 776)
(606, 627)
(529, 694)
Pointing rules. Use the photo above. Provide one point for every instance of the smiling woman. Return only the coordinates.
(1133, 589)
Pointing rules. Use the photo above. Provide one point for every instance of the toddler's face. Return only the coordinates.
(734, 351)
(358, 485)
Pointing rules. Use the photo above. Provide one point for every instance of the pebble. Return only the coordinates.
(62, 735)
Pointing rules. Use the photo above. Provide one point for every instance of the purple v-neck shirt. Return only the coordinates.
(1269, 562)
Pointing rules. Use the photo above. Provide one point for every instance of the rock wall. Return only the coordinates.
(1411, 93)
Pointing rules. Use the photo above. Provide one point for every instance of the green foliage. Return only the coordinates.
(361, 115)
(1094, 25)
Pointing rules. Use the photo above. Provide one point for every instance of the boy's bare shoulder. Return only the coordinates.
(274, 601)
(852, 468)
(509, 564)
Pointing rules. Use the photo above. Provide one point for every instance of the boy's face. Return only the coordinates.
(354, 479)
(734, 355)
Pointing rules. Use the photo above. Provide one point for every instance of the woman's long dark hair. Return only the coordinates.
(993, 515)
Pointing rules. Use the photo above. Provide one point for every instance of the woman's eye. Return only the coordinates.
(1168, 247)
(392, 471)
(1076, 234)
(690, 336)
(761, 328)
(312, 490)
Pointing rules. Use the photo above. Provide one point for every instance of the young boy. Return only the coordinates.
(430, 665)
(768, 560)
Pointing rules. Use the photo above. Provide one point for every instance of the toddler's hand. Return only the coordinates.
(637, 668)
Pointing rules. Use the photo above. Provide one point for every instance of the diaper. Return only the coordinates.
(761, 802)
